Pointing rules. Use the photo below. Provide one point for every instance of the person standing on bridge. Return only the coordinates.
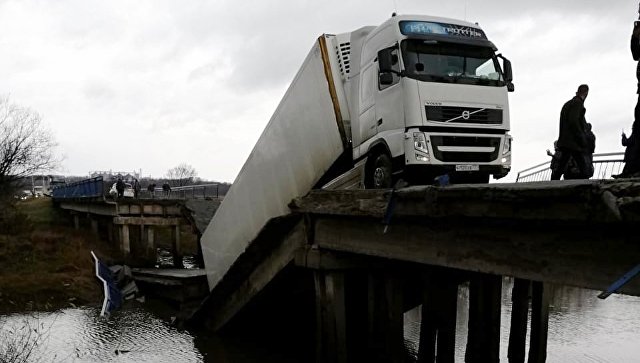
(572, 142)
(151, 188)
(632, 143)
(120, 188)
(166, 188)
(136, 188)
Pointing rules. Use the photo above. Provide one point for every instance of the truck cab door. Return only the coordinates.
(368, 88)
(389, 103)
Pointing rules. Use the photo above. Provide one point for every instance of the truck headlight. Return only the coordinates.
(507, 145)
(420, 143)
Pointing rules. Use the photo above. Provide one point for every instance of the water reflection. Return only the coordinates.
(131, 335)
(582, 328)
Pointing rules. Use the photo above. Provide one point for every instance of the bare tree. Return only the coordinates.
(26, 145)
(182, 174)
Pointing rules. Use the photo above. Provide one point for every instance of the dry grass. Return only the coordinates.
(45, 264)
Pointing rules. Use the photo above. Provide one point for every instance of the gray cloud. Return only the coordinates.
(201, 78)
(98, 90)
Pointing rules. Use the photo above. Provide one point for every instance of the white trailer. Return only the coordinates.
(415, 97)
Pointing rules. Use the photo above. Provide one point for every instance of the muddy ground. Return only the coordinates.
(44, 263)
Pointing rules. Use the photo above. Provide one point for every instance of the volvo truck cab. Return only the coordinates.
(432, 101)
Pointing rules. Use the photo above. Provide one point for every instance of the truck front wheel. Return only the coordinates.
(379, 174)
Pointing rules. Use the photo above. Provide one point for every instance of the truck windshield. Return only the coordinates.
(432, 61)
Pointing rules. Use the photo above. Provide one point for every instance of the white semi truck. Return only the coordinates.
(413, 98)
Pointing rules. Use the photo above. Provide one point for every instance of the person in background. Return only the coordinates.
(120, 188)
(166, 188)
(151, 189)
(572, 141)
(136, 188)
(590, 137)
(632, 143)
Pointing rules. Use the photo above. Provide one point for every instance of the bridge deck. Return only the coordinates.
(572, 233)
(578, 233)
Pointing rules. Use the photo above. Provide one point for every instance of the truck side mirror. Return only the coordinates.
(385, 79)
(508, 72)
(385, 60)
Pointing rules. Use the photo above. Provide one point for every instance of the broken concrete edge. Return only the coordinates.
(215, 309)
(578, 200)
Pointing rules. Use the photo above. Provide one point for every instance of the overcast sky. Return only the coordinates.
(128, 85)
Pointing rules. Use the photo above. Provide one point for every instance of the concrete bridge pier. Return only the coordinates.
(125, 243)
(177, 249)
(540, 297)
(438, 324)
(359, 316)
(148, 235)
(145, 228)
(94, 226)
(483, 341)
(76, 221)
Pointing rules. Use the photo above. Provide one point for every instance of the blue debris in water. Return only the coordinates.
(112, 294)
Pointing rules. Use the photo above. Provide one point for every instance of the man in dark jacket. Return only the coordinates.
(632, 143)
(120, 188)
(572, 141)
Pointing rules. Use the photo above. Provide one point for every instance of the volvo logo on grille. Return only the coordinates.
(465, 115)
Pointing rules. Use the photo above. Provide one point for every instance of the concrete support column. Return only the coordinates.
(386, 319)
(438, 325)
(151, 244)
(76, 221)
(540, 297)
(94, 226)
(331, 342)
(177, 251)
(110, 234)
(125, 244)
(519, 312)
(483, 342)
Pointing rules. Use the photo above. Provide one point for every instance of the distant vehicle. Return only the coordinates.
(128, 190)
(38, 191)
(23, 195)
(54, 181)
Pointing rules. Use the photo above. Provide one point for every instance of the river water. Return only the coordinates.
(582, 328)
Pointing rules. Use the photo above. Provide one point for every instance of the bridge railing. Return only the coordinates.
(604, 165)
(201, 191)
(98, 188)
(87, 188)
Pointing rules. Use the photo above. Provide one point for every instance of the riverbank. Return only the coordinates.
(45, 264)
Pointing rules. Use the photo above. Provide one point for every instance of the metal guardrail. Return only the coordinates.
(604, 165)
(201, 191)
(88, 188)
(98, 188)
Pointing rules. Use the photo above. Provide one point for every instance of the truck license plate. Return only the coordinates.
(467, 167)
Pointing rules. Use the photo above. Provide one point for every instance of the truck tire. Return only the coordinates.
(379, 174)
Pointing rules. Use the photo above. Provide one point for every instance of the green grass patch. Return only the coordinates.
(45, 264)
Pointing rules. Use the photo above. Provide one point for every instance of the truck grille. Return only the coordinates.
(465, 157)
(467, 115)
